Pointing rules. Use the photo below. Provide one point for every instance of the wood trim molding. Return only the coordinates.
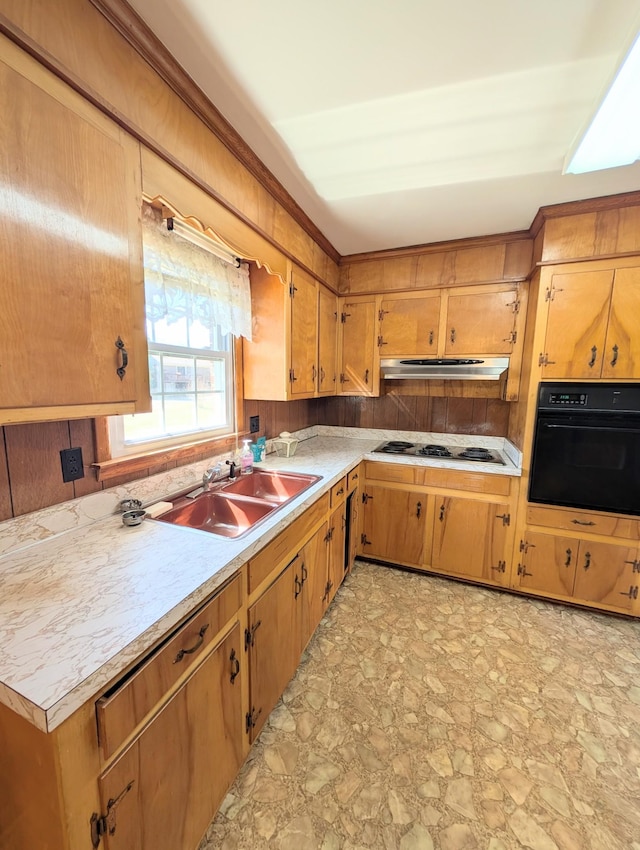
(131, 27)
(438, 247)
(588, 205)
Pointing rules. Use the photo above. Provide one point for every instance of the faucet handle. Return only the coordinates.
(233, 466)
(211, 474)
(130, 505)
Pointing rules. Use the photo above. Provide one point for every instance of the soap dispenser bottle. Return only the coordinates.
(246, 458)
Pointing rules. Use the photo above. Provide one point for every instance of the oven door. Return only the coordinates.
(587, 460)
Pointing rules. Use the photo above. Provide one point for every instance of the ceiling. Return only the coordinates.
(410, 122)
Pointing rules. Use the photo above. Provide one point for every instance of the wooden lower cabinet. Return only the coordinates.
(470, 539)
(394, 525)
(280, 624)
(274, 622)
(580, 570)
(163, 791)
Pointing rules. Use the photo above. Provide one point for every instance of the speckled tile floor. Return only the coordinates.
(432, 714)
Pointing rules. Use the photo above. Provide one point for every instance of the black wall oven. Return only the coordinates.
(586, 447)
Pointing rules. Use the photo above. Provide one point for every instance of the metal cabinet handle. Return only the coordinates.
(418, 509)
(313, 373)
(233, 658)
(615, 355)
(581, 522)
(452, 335)
(430, 337)
(567, 563)
(124, 359)
(442, 509)
(632, 594)
(594, 354)
(305, 574)
(522, 570)
(297, 587)
(366, 376)
(181, 654)
(587, 560)
(322, 375)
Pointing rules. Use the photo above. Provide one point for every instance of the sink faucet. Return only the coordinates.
(233, 468)
(212, 474)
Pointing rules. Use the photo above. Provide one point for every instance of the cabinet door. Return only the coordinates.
(353, 518)
(327, 378)
(394, 525)
(576, 324)
(336, 566)
(622, 347)
(608, 574)
(470, 539)
(357, 329)
(275, 623)
(181, 766)
(547, 563)
(409, 326)
(314, 557)
(481, 323)
(304, 329)
(71, 271)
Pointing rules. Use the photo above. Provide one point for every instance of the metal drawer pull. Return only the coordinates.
(567, 563)
(594, 354)
(340, 491)
(195, 646)
(122, 368)
(615, 355)
(233, 658)
(581, 522)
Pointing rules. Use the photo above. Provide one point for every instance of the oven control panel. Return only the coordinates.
(568, 399)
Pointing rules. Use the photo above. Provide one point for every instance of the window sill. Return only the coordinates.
(132, 464)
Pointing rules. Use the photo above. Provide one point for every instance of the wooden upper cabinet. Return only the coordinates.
(327, 377)
(481, 321)
(359, 366)
(71, 272)
(304, 333)
(408, 326)
(621, 356)
(576, 324)
(293, 353)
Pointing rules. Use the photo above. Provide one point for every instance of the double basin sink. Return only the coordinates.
(236, 506)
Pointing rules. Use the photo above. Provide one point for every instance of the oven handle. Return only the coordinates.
(592, 428)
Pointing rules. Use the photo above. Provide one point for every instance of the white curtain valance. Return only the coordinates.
(181, 277)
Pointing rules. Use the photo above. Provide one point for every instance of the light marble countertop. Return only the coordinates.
(82, 596)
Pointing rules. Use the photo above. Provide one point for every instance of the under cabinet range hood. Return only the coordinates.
(444, 369)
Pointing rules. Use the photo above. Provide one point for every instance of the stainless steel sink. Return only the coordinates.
(238, 505)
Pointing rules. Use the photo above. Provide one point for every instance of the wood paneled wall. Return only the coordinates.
(30, 471)
(31, 476)
(480, 416)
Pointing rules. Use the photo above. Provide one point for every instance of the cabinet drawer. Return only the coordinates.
(474, 482)
(584, 522)
(286, 544)
(389, 472)
(352, 479)
(338, 492)
(120, 710)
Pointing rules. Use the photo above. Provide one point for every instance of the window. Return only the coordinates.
(195, 304)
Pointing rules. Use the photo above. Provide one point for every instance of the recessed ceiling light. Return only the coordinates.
(613, 136)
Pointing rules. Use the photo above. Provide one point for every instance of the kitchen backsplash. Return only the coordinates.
(30, 476)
